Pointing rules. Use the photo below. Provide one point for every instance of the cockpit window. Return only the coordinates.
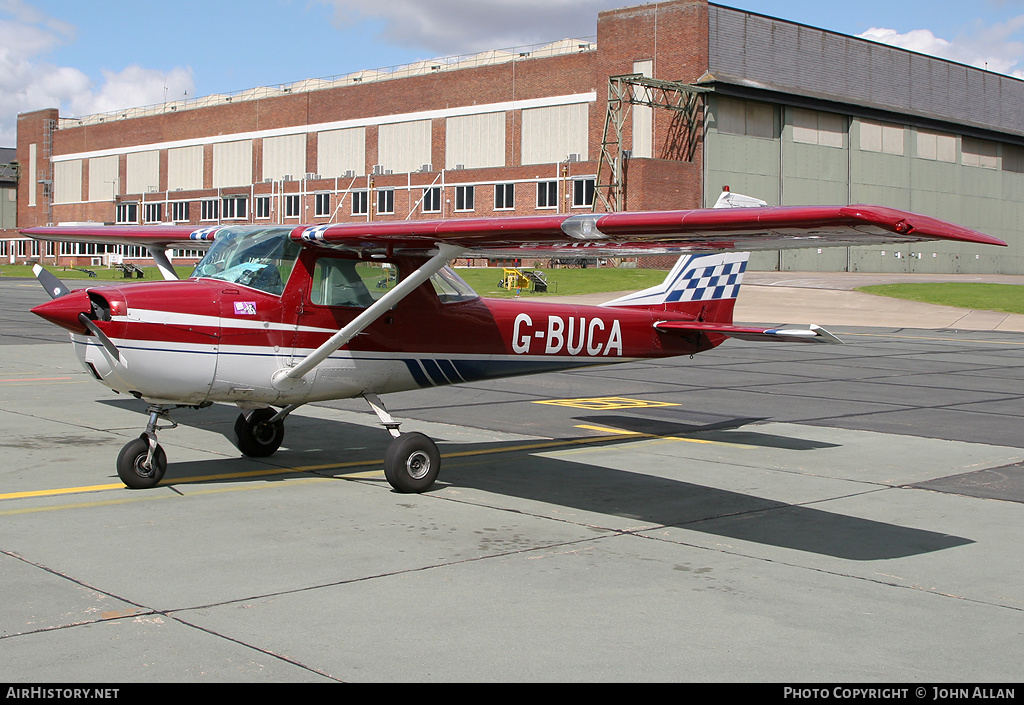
(355, 283)
(347, 282)
(450, 287)
(259, 258)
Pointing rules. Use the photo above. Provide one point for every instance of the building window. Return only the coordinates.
(291, 206)
(209, 210)
(881, 137)
(179, 211)
(937, 146)
(153, 212)
(235, 208)
(386, 201)
(360, 202)
(504, 197)
(432, 199)
(814, 127)
(262, 206)
(322, 205)
(582, 193)
(980, 153)
(1013, 158)
(547, 194)
(464, 198)
(745, 117)
(127, 213)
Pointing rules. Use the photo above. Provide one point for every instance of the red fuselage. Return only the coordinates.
(203, 339)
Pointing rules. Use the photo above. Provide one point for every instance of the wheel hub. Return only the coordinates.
(263, 433)
(418, 465)
(142, 467)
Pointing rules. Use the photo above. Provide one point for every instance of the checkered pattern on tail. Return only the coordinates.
(694, 278)
(717, 280)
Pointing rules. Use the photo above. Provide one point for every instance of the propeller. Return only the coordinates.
(54, 286)
(56, 289)
(95, 330)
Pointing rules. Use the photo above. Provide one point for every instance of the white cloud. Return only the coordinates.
(985, 47)
(134, 86)
(28, 82)
(462, 26)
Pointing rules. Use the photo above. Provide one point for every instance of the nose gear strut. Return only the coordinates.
(142, 462)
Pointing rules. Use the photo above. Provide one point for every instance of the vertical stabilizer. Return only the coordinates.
(704, 286)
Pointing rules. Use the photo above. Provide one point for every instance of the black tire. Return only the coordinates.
(411, 463)
(257, 438)
(131, 465)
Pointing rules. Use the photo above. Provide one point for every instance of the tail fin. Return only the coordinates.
(704, 286)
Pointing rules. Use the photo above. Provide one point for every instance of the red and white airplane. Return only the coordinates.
(278, 316)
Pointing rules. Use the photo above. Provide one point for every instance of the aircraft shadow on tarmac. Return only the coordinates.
(515, 469)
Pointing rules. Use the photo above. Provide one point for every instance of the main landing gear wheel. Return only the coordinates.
(411, 463)
(255, 436)
(134, 467)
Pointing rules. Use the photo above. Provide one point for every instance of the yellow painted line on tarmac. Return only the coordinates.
(60, 491)
(610, 431)
(148, 496)
(202, 478)
(278, 471)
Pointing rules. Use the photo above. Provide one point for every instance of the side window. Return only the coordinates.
(349, 282)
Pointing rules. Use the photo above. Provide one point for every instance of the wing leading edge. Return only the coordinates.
(654, 232)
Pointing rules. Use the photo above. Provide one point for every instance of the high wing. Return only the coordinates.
(156, 238)
(609, 234)
(653, 232)
(160, 236)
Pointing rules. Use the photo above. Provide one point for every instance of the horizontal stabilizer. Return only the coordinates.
(812, 334)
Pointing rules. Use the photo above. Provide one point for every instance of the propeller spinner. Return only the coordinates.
(70, 309)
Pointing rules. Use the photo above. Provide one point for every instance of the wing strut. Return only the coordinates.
(291, 376)
(163, 262)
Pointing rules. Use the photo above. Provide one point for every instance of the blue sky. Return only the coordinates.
(88, 56)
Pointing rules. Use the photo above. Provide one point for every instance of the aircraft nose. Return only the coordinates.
(64, 310)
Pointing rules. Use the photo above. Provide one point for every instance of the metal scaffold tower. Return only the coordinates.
(625, 91)
(45, 176)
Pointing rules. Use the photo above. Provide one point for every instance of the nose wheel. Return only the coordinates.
(141, 464)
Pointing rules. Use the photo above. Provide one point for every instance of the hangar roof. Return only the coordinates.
(764, 53)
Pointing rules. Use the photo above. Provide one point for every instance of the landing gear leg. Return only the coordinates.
(141, 464)
(412, 461)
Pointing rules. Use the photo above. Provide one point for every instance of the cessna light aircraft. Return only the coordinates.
(277, 316)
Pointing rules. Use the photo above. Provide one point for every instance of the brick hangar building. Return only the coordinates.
(667, 105)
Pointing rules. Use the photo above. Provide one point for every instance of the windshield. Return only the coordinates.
(261, 258)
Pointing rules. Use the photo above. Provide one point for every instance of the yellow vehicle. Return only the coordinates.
(513, 278)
